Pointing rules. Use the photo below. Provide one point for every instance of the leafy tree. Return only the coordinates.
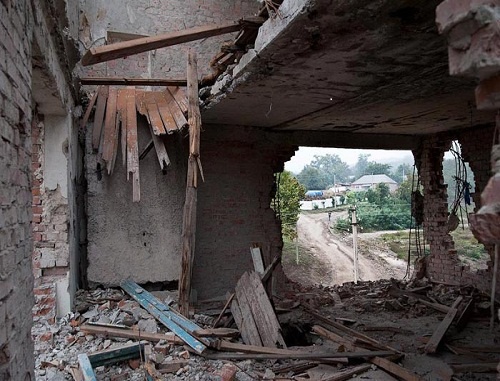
(359, 168)
(290, 193)
(323, 172)
(312, 178)
(378, 168)
(403, 193)
(402, 172)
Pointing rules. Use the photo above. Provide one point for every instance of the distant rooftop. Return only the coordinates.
(374, 179)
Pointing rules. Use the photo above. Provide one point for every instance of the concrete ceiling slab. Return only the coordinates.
(348, 66)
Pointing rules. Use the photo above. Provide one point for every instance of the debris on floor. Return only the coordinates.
(383, 330)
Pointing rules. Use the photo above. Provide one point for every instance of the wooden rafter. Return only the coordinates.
(117, 81)
(144, 44)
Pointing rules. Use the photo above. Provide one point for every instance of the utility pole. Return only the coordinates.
(355, 242)
(297, 243)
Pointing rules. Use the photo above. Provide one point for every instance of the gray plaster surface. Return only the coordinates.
(139, 241)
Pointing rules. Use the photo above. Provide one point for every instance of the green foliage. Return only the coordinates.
(403, 193)
(382, 211)
(402, 173)
(323, 172)
(377, 169)
(290, 192)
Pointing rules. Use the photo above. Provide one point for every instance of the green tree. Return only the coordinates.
(290, 192)
(377, 169)
(312, 178)
(403, 193)
(359, 168)
(402, 173)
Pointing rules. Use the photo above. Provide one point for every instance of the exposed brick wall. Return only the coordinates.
(50, 232)
(443, 263)
(16, 279)
(234, 205)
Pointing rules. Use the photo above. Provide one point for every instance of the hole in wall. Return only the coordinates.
(459, 178)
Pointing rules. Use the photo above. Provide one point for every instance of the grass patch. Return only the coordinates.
(467, 245)
(289, 254)
(398, 243)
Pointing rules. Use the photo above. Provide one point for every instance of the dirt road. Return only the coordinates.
(314, 234)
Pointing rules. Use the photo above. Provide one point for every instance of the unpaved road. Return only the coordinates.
(314, 234)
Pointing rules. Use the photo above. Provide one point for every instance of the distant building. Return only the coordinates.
(371, 181)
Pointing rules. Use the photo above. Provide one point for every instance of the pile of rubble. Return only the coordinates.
(381, 330)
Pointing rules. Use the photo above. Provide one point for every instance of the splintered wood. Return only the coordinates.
(254, 314)
(115, 125)
(189, 213)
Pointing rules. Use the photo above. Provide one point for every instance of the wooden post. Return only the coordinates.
(355, 242)
(189, 217)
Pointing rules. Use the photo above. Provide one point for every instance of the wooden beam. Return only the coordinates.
(86, 368)
(439, 333)
(131, 334)
(102, 97)
(140, 45)
(110, 138)
(189, 214)
(295, 355)
(122, 81)
(132, 146)
(90, 106)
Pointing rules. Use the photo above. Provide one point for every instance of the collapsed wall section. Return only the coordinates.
(16, 279)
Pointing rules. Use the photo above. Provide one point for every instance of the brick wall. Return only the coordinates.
(16, 279)
(443, 263)
(234, 205)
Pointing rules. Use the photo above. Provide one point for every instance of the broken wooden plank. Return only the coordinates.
(86, 367)
(180, 97)
(395, 369)
(146, 149)
(296, 355)
(389, 329)
(439, 333)
(110, 133)
(349, 373)
(161, 152)
(190, 203)
(217, 332)
(121, 81)
(393, 290)
(145, 298)
(229, 300)
(154, 117)
(130, 334)
(484, 367)
(345, 329)
(269, 269)
(258, 263)
(132, 146)
(139, 295)
(175, 111)
(90, 106)
(244, 319)
(115, 355)
(245, 348)
(99, 117)
(165, 113)
(121, 108)
(127, 48)
(465, 314)
(264, 316)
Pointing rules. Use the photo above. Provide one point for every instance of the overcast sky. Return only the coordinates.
(306, 154)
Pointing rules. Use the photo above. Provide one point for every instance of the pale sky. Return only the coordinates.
(305, 155)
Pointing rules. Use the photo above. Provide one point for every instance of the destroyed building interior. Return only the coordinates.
(140, 143)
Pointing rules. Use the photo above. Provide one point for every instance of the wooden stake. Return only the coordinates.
(494, 287)
(189, 217)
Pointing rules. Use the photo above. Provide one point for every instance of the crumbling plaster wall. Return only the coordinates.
(140, 241)
(16, 279)
(146, 17)
(443, 263)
